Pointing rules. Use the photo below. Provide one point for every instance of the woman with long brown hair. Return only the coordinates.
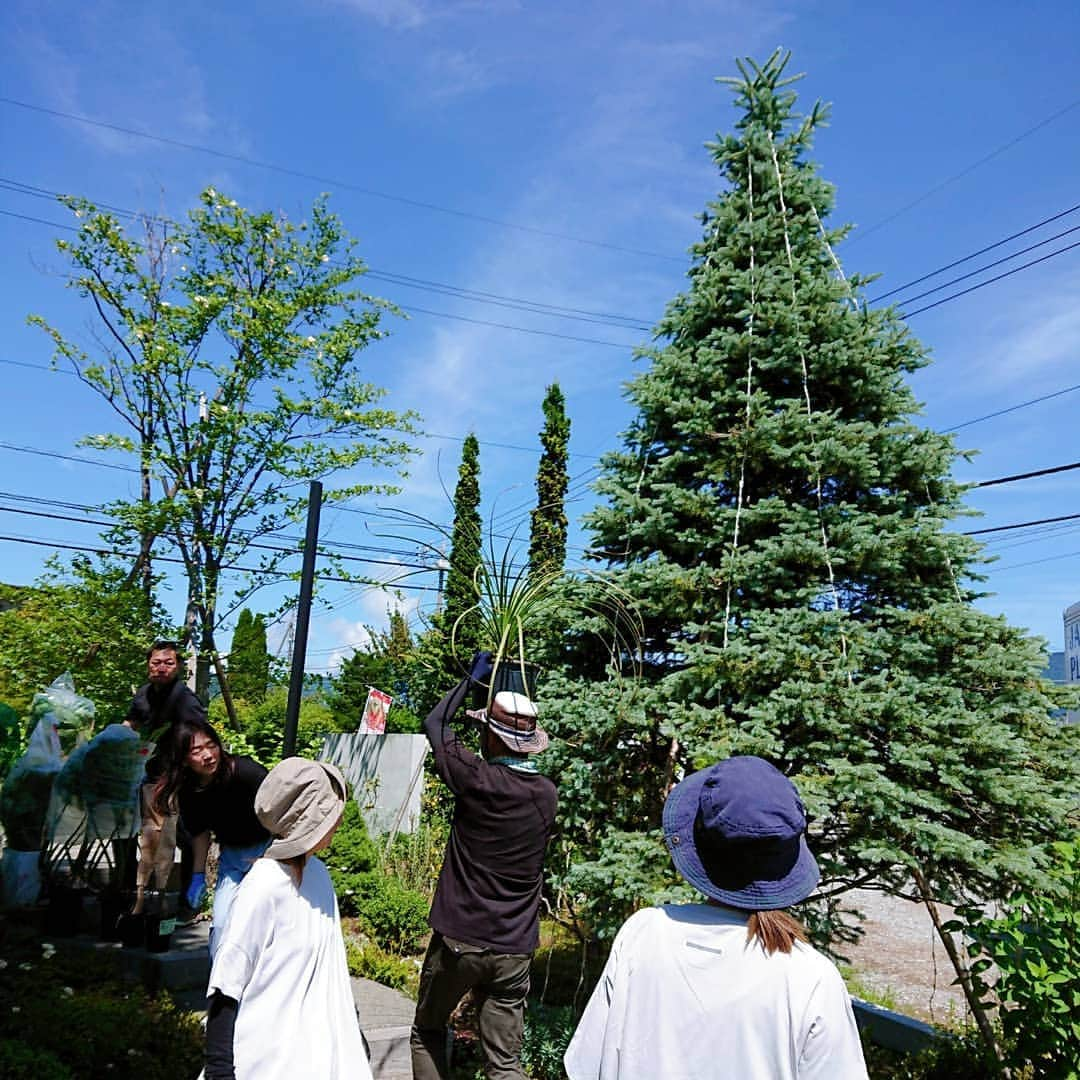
(729, 989)
(215, 793)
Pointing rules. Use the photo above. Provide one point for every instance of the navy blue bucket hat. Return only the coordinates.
(737, 833)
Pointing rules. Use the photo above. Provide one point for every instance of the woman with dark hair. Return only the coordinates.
(729, 989)
(215, 793)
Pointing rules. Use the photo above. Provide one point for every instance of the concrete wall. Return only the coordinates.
(386, 775)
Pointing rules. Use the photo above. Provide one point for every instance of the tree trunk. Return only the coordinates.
(223, 682)
(963, 972)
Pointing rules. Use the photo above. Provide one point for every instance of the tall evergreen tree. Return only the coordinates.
(547, 541)
(249, 658)
(783, 520)
(460, 626)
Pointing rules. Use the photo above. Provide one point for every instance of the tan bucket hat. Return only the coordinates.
(297, 804)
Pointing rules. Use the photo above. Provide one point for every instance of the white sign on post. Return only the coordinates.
(1072, 655)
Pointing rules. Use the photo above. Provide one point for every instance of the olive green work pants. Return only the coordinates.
(501, 982)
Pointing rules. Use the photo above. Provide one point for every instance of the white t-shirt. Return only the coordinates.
(282, 957)
(684, 997)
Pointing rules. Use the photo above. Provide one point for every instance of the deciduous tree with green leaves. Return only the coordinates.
(249, 658)
(547, 541)
(227, 346)
(87, 617)
(787, 527)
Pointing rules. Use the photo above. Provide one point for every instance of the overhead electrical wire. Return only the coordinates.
(964, 172)
(345, 185)
(526, 304)
(412, 308)
(974, 255)
(990, 266)
(990, 281)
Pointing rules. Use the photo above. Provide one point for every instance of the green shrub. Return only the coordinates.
(415, 858)
(109, 1028)
(367, 961)
(394, 915)
(958, 1055)
(548, 1031)
(350, 859)
(262, 726)
(21, 1062)
(1035, 947)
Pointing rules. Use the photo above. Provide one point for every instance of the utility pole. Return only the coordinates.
(303, 617)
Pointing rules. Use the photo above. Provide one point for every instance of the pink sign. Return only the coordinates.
(373, 721)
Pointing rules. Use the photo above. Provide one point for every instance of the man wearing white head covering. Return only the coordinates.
(486, 910)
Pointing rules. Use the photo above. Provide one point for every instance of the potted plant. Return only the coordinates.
(517, 611)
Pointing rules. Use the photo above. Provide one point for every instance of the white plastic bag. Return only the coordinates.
(20, 878)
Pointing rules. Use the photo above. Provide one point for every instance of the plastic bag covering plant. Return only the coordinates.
(24, 801)
(72, 714)
(1035, 948)
(519, 607)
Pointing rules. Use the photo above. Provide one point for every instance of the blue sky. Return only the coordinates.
(564, 145)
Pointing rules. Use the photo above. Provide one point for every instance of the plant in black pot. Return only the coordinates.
(519, 612)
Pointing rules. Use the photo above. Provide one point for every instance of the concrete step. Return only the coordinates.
(386, 1016)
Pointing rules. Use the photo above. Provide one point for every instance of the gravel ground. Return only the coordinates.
(901, 959)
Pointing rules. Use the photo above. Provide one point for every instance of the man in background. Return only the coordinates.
(486, 911)
(161, 701)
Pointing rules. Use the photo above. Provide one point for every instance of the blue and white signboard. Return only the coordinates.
(1072, 655)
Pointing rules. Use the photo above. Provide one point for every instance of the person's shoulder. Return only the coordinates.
(248, 769)
(816, 964)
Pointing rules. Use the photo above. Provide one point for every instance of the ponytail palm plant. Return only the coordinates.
(520, 612)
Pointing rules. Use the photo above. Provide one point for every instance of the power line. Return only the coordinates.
(65, 457)
(989, 266)
(344, 184)
(1022, 525)
(963, 172)
(412, 309)
(1027, 475)
(535, 307)
(37, 541)
(973, 255)
(403, 431)
(989, 281)
(246, 536)
(1012, 408)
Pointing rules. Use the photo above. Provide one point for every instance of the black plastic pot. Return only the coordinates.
(132, 930)
(160, 921)
(63, 915)
(507, 676)
(114, 905)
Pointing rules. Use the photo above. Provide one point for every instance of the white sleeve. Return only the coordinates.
(584, 1057)
(243, 939)
(831, 1048)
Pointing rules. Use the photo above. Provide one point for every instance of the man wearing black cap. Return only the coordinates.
(486, 911)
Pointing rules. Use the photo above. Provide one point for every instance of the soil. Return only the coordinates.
(900, 961)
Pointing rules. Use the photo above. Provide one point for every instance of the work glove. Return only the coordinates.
(483, 664)
(196, 892)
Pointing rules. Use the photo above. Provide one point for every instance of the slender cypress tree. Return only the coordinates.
(460, 626)
(783, 520)
(547, 541)
(249, 658)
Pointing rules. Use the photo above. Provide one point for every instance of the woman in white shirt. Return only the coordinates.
(280, 999)
(728, 989)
